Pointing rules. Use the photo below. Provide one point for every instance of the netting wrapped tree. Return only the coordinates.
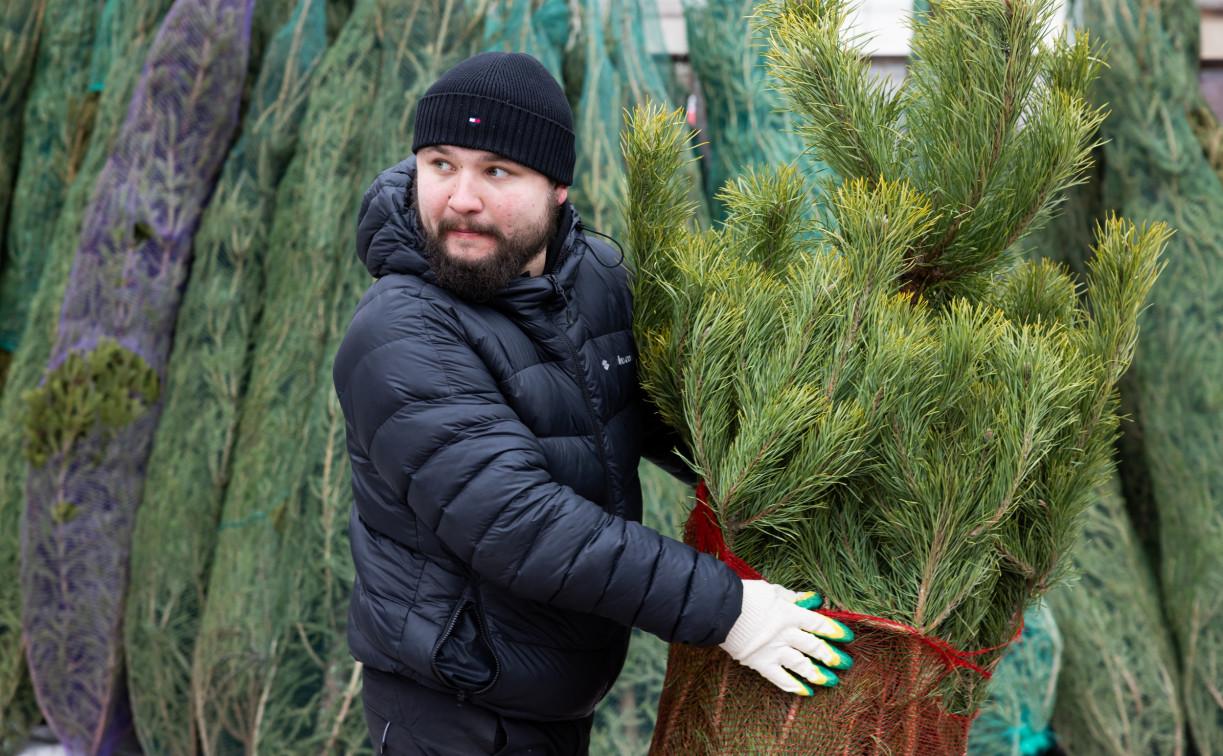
(20, 24)
(1119, 689)
(1155, 167)
(539, 28)
(59, 110)
(54, 140)
(743, 121)
(248, 641)
(127, 26)
(190, 461)
(1014, 720)
(886, 406)
(1119, 686)
(272, 671)
(90, 424)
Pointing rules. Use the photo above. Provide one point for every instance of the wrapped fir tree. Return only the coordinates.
(885, 404)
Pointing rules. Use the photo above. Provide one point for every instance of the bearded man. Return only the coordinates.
(495, 425)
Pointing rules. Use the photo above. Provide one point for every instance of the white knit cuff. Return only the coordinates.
(746, 635)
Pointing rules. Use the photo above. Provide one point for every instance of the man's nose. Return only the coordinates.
(465, 195)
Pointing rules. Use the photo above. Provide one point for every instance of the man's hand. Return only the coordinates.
(776, 633)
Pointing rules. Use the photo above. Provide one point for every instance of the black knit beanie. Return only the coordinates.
(505, 103)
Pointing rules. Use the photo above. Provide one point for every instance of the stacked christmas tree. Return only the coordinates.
(886, 406)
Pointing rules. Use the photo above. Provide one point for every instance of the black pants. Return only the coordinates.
(408, 719)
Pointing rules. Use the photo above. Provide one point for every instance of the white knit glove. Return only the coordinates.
(776, 633)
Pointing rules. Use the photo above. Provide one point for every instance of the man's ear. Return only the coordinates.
(562, 194)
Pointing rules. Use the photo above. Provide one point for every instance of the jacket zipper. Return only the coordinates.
(487, 642)
(580, 377)
(446, 633)
(464, 599)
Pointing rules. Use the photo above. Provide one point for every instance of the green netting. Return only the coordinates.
(597, 171)
(18, 719)
(617, 70)
(266, 24)
(639, 54)
(190, 462)
(742, 120)
(1118, 688)
(20, 24)
(91, 424)
(130, 29)
(338, 12)
(535, 27)
(1154, 168)
(1014, 720)
(428, 41)
(272, 667)
(246, 641)
(58, 118)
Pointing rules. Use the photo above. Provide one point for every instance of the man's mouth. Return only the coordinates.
(467, 233)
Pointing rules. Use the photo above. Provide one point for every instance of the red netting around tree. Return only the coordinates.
(890, 702)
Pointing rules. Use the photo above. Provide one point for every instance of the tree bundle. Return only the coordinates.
(190, 462)
(129, 26)
(56, 126)
(247, 641)
(90, 424)
(885, 406)
(1119, 692)
(1155, 168)
(744, 123)
(20, 26)
(539, 28)
(51, 145)
(1014, 720)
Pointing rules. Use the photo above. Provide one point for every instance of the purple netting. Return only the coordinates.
(125, 285)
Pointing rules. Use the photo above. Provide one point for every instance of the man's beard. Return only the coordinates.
(478, 280)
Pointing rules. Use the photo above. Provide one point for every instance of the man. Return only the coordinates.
(495, 425)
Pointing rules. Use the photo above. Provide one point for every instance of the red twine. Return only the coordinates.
(705, 535)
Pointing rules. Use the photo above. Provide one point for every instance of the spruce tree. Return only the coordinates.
(886, 405)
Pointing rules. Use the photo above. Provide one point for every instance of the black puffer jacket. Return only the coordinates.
(494, 451)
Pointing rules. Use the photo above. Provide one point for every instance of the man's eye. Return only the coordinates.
(442, 165)
(498, 172)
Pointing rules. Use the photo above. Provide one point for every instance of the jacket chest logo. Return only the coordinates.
(620, 360)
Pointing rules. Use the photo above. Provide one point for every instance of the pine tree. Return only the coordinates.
(886, 405)
(128, 27)
(90, 424)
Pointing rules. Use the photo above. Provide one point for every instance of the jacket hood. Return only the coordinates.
(389, 237)
(388, 231)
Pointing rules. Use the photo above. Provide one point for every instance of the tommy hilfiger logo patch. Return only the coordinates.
(474, 121)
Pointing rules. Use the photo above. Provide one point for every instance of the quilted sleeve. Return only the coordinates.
(439, 433)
